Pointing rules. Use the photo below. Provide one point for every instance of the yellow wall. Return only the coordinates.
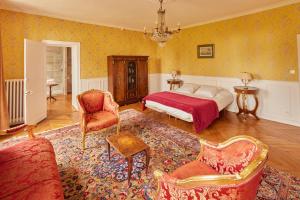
(264, 44)
(97, 42)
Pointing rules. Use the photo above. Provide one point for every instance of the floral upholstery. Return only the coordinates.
(28, 170)
(230, 170)
(231, 159)
(98, 110)
(194, 168)
(110, 105)
(92, 101)
(100, 120)
(169, 191)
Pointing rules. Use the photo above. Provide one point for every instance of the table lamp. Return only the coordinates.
(246, 77)
(174, 74)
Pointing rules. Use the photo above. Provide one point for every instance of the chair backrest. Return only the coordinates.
(92, 101)
(234, 157)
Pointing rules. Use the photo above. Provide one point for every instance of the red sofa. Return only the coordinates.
(28, 170)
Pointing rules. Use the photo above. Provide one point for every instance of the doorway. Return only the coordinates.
(71, 79)
(36, 73)
(58, 71)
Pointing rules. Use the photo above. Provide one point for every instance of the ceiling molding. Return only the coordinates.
(249, 12)
(73, 20)
(240, 14)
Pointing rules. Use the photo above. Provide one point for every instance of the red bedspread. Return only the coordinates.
(204, 111)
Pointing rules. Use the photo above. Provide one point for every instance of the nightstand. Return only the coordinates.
(243, 92)
(174, 82)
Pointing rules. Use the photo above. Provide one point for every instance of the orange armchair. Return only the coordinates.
(98, 111)
(229, 170)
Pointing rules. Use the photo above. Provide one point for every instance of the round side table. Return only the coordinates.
(243, 92)
(50, 85)
(174, 82)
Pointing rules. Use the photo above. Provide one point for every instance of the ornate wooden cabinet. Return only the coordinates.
(128, 78)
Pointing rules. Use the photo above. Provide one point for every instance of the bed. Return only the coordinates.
(216, 97)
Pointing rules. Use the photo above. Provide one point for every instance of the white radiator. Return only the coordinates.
(15, 100)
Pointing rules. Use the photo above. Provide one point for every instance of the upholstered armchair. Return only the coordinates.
(230, 170)
(98, 111)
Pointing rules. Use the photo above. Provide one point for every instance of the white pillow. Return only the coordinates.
(188, 88)
(207, 91)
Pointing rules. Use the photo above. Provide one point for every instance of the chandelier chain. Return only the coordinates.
(161, 32)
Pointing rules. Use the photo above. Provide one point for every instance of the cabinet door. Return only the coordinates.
(131, 79)
(142, 78)
(119, 80)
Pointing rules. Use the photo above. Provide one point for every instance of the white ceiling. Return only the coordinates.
(135, 14)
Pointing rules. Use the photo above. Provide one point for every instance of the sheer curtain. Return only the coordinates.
(3, 103)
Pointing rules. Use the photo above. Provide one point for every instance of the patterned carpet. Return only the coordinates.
(90, 175)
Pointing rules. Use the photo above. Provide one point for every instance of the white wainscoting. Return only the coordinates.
(102, 83)
(94, 83)
(278, 100)
(154, 82)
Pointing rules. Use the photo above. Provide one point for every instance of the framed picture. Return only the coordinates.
(206, 51)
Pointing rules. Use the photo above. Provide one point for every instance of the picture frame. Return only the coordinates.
(206, 51)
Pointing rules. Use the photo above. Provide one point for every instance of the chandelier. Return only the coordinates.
(161, 33)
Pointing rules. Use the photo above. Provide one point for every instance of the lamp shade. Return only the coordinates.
(174, 74)
(246, 76)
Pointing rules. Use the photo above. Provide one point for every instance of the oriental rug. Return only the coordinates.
(90, 175)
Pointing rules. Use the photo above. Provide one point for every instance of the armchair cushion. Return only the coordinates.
(93, 101)
(194, 168)
(100, 120)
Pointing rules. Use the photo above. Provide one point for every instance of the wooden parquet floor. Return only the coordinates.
(60, 113)
(283, 140)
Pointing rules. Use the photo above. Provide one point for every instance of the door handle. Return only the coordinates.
(29, 92)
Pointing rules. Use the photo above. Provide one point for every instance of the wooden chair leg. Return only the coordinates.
(83, 141)
(30, 131)
(118, 127)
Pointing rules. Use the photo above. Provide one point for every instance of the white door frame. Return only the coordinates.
(75, 49)
(298, 41)
(298, 45)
